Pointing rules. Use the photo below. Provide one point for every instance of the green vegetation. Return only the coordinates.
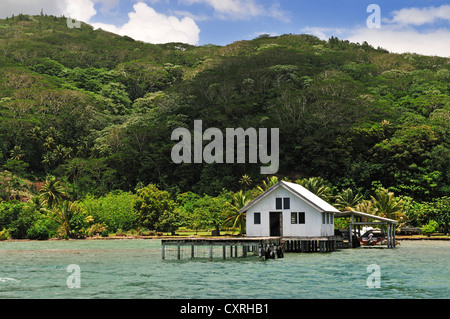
(86, 118)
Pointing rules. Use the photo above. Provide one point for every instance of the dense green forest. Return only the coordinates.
(91, 113)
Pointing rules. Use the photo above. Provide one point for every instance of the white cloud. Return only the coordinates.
(408, 40)
(400, 34)
(241, 9)
(419, 16)
(147, 25)
(325, 33)
(80, 9)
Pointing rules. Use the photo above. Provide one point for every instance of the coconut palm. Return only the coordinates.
(64, 214)
(16, 153)
(347, 200)
(245, 181)
(387, 205)
(366, 206)
(268, 183)
(316, 185)
(236, 219)
(52, 192)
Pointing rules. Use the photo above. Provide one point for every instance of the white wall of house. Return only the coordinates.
(312, 227)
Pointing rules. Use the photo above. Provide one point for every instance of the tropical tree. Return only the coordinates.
(316, 185)
(151, 204)
(268, 183)
(71, 219)
(366, 206)
(52, 192)
(16, 153)
(347, 200)
(234, 218)
(245, 181)
(387, 205)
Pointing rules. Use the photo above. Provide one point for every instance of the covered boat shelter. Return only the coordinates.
(358, 219)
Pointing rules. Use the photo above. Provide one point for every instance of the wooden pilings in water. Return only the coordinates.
(310, 245)
(264, 248)
(219, 247)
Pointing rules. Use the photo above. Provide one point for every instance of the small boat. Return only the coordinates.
(372, 237)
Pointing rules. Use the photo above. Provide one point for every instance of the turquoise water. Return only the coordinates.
(134, 269)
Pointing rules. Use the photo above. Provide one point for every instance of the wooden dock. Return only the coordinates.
(263, 247)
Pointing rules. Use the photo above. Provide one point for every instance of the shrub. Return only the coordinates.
(430, 228)
(114, 210)
(43, 229)
(96, 229)
(5, 235)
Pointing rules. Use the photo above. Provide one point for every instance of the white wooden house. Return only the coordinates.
(289, 210)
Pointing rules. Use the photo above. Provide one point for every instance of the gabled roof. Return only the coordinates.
(299, 191)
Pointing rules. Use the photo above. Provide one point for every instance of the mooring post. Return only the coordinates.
(192, 250)
(163, 251)
(210, 251)
(178, 251)
(224, 250)
(393, 233)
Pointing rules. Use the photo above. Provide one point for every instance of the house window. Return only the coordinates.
(279, 203)
(331, 218)
(301, 218)
(327, 217)
(287, 203)
(323, 218)
(294, 218)
(257, 218)
(283, 203)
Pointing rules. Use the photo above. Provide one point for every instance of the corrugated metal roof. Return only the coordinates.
(306, 194)
(300, 192)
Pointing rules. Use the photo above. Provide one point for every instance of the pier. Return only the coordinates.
(263, 247)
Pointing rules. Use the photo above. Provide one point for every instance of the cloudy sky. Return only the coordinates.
(403, 25)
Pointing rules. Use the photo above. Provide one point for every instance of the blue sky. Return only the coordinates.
(405, 26)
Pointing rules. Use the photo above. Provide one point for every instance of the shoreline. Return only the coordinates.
(132, 237)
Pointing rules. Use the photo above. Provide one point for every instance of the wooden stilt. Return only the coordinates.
(210, 252)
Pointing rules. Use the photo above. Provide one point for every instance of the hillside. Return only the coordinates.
(98, 109)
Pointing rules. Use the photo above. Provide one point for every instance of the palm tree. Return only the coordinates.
(347, 200)
(64, 214)
(366, 206)
(35, 133)
(236, 219)
(387, 205)
(268, 183)
(316, 185)
(52, 192)
(16, 153)
(246, 181)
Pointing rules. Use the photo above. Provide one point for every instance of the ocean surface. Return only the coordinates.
(134, 269)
